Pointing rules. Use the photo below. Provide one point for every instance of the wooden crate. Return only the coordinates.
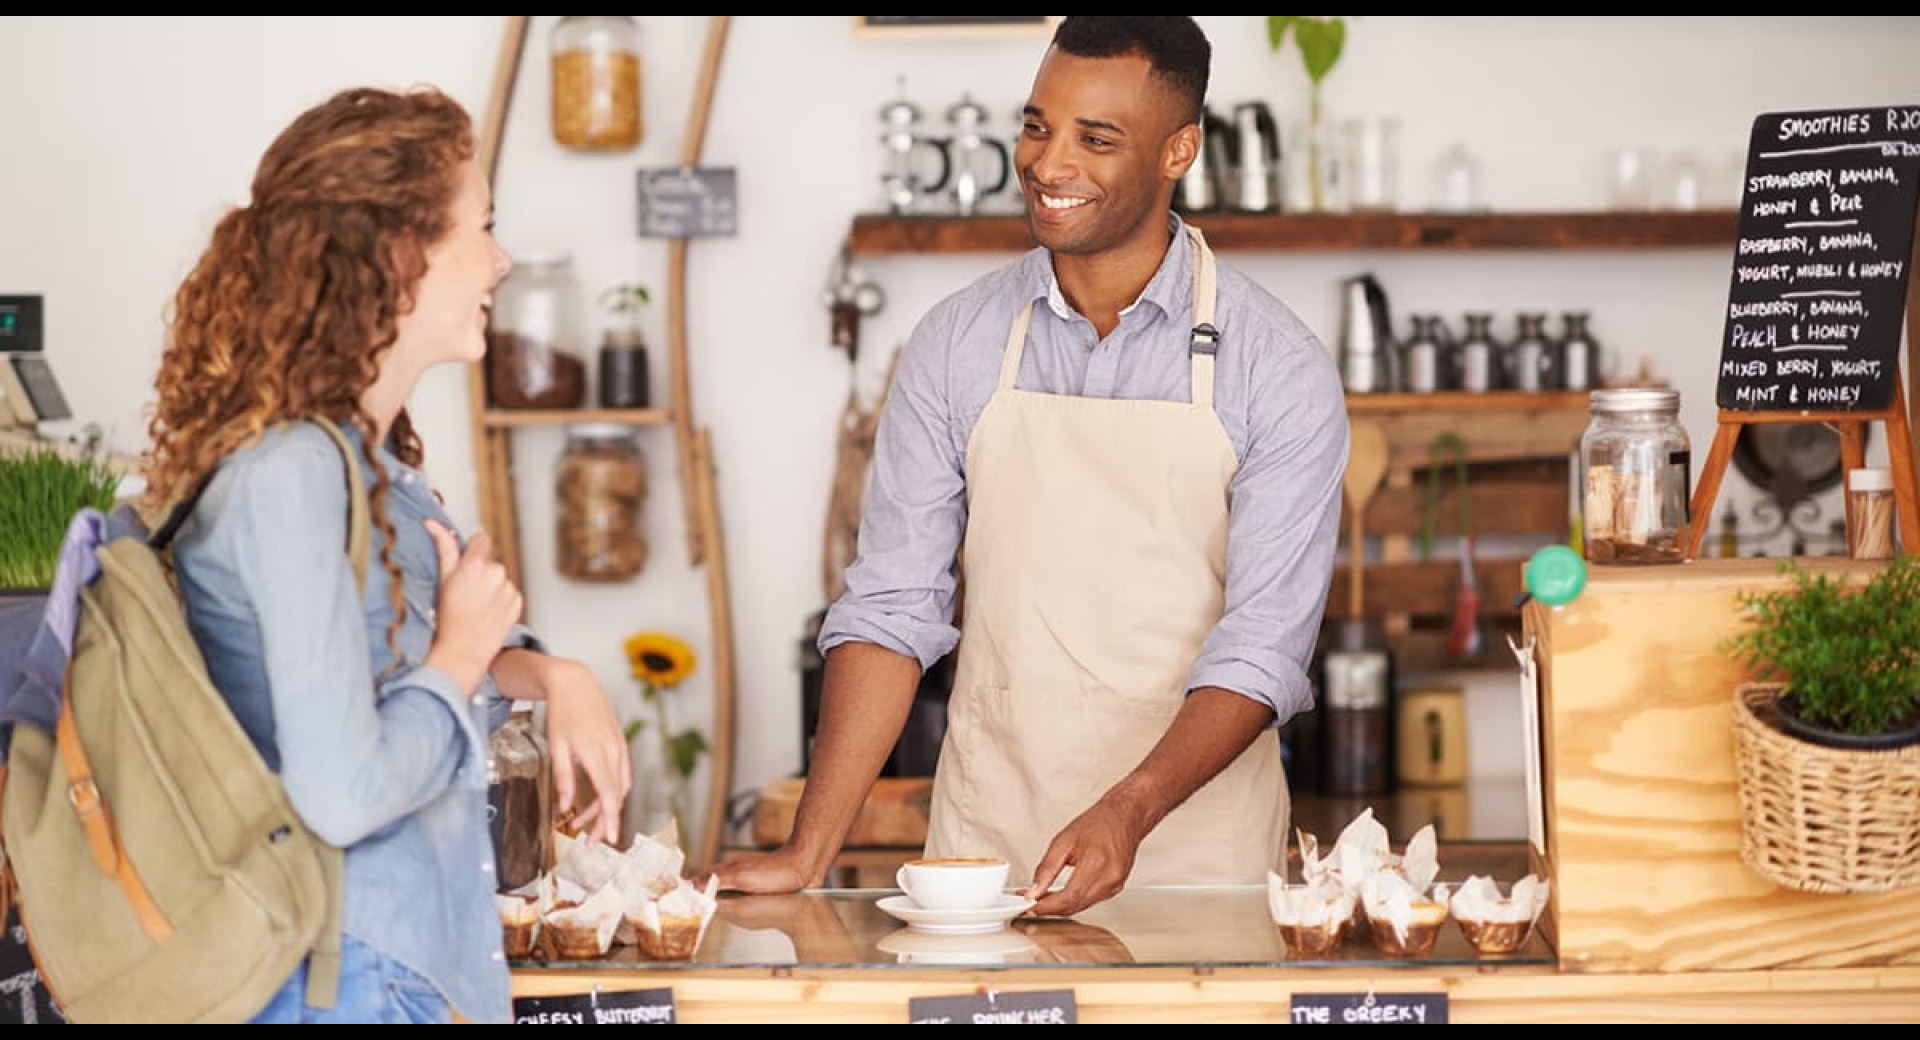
(1641, 804)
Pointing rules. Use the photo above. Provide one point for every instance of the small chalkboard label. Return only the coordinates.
(24, 999)
(993, 1008)
(688, 201)
(1821, 261)
(1369, 1009)
(634, 1007)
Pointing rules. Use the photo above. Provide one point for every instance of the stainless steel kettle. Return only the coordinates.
(1256, 152)
(1368, 362)
(1204, 186)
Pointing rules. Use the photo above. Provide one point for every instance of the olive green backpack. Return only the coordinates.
(162, 873)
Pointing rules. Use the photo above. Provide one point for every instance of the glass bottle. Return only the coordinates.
(601, 489)
(1636, 466)
(1479, 355)
(1530, 360)
(595, 73)
(1579, 353)
(533, 341)
(519, 800)
(1729, 533)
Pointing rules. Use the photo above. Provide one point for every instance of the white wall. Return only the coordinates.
(127, 136)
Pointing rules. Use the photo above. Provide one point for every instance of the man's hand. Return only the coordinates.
(1095, 852)
(763, 873)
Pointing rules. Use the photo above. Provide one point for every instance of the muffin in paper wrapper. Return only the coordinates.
(1404, 920)
(1313, 917)
(584, 930)
(1493, 921)
(669, 927)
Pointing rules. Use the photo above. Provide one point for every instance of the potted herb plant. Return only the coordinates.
(41, 488)
(623, 350)
(1827, 734)
(1847, 655)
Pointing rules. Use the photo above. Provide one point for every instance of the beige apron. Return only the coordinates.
(1095, 567)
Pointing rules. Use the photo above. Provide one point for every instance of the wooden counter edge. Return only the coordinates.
(1488, 993)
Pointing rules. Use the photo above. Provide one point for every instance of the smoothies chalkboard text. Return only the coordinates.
(1821, 261)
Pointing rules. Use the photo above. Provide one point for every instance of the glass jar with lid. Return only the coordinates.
(601, 490)
(519, 800)
(533, 339)
(1636, 472)
(595, 74)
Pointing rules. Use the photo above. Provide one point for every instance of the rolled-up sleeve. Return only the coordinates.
(901, 585)
(354, 756)
(1283, 531)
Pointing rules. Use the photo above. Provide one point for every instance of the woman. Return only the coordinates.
(365, 257)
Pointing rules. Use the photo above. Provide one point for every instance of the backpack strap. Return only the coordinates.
(323, 964)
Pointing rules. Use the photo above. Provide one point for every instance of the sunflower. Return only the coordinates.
(658, 658)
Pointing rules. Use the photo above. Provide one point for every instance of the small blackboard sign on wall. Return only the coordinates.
(1821, 261)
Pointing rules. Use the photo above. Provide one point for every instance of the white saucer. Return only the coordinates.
(955, 922)
(912, 946)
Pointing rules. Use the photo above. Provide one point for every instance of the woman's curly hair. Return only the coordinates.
(289, 310)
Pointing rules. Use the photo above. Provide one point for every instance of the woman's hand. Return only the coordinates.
(584, 732)
(477, 608)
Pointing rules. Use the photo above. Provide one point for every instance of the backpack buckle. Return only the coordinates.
(84, 796)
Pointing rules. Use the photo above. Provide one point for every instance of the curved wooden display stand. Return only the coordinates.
(492, 433)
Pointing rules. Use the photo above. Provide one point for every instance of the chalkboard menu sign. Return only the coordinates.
(1821, 261)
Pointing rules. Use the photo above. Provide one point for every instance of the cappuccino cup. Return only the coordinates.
(954, 882)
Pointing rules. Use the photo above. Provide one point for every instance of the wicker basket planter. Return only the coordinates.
(1821, 819)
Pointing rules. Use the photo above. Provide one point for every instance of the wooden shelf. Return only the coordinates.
(1336, 232)
(1518, 447)
(505, 418)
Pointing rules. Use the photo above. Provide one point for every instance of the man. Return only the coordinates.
(1140, 453)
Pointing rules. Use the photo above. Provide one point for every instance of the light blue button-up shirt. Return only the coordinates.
(1276, 391)
(383, 757)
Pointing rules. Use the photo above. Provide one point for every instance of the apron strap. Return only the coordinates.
(1206, 338)
(1205, 341)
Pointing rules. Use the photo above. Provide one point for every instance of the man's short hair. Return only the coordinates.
(1172, 44)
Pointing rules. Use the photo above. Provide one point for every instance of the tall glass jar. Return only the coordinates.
(1636, 466)
(602, 487)
(519, 800)
(534, 339)
(595, 63)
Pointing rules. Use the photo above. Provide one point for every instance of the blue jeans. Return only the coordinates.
(374, 989)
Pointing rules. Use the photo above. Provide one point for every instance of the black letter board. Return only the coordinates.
(1820, 263)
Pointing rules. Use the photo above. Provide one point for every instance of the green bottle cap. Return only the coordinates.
(1555, 575)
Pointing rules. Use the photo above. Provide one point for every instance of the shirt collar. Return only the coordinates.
(1170, 289)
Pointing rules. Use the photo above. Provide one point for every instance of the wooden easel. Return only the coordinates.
(1852, 429)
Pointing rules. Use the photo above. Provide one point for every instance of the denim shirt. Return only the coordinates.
(385, 758)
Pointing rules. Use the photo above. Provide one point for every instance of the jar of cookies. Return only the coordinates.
(534, 335)
(602, 487)
(1636, 470)
(595, 66)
